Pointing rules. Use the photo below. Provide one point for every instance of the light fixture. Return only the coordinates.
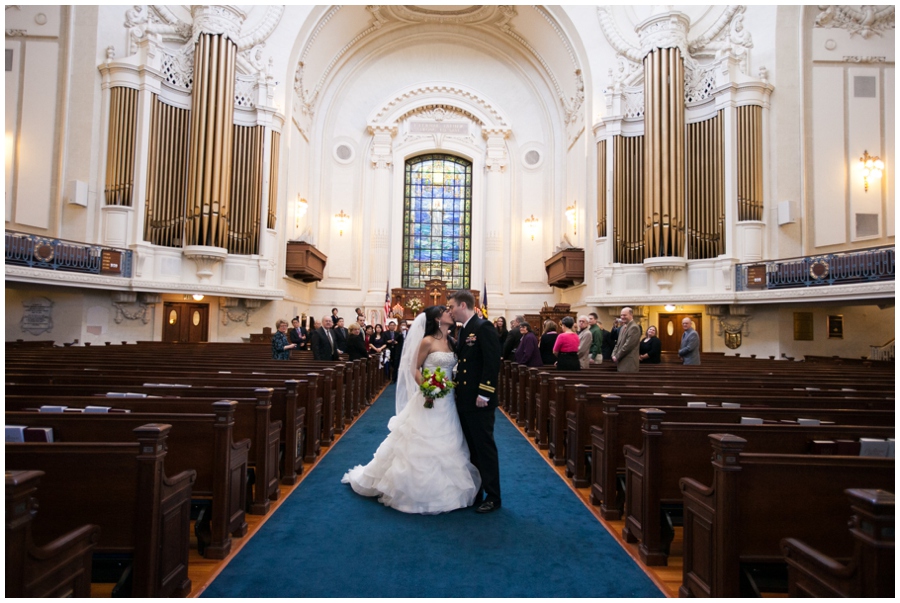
(871, 168)
(300, 210)
(669, 307)
(341, 220)
(531, 226)
(197, 297)
(572, 216)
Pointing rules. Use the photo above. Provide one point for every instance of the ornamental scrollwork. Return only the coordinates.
(866, 20)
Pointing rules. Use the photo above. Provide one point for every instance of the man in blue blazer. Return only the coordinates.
(478, 351)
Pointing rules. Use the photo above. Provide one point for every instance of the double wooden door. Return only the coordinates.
(670, 330)
(185, 322)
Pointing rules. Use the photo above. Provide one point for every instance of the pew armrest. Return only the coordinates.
(812, 573)
(60, 568)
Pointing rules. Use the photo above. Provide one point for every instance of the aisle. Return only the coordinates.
(326, 541)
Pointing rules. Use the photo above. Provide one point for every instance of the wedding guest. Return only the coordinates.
(281, 347)
(626, 352)
(610, 338)
(597, 336)
(368, 334)
(548, 340)
(377, 343)
(340, 336)
(297, 334)
(502, 331)
(512, 340)
(356, 347)
(528, 352)
(651, 347)
(334, 315)
(585, 340)
(566, 346)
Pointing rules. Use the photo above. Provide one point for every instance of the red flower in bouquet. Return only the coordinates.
(435, 384)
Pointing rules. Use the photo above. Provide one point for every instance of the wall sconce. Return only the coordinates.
(669, 307)
(197, 297)
(871, 168)
(341, 220)
(300, 210)
(572, 216)
(531, 226)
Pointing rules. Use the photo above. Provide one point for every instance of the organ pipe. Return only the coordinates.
(167, 174)
(120, 146)
(705, 175)
(749, 156)
(273, 178)
(601, 188)
(246, 190)
(209, 182)
(664, 153)
(628, 199)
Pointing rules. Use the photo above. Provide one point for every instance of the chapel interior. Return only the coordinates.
(195, 173)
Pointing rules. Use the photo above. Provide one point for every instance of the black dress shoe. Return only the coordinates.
(487, 507)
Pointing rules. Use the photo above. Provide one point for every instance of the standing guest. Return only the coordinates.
(392, 340)
(334, 315)
(585, 340)
(377, 344)
(478, 350)
(651, 347)
(297, 334)
(597, 337)
(502, 331)
(368, 334)
(566, 346)
(548, 340)
(528, 352)
(323, 346)
(361, 321)
(608, 343)
(512, 341)
(627, 351)
(281, 346)
(690, 343)
(340, 336)
(356, 347)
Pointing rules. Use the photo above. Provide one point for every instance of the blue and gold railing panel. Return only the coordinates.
(862, 266)
(56, 254)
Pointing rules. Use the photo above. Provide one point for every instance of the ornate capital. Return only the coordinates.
(205, 257)
(218, 19)
(664, 269)
(497, 157)
(665, 30)
(382, 145)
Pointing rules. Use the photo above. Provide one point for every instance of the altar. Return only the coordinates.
(407, 303)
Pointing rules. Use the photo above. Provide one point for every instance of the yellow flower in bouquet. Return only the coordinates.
(435, 384)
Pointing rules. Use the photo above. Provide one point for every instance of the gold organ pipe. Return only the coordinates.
(601, 188)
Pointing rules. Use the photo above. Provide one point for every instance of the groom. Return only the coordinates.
(478, 350)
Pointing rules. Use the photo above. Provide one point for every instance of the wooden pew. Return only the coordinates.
(755, 500)
(200, 442)
(870, 569)
(672, 451)
(122, 487)
(60, 568)
(251, 422)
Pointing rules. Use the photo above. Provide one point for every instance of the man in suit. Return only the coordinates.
(478, 350)
(323, 343)
(394, 342)
(513, 339)
(627, 353)
(297, 334)
(340, 335)
(690, 343)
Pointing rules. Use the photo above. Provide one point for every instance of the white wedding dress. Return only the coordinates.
(423, 464)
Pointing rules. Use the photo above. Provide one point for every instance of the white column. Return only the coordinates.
(380, 218)
(494, 219)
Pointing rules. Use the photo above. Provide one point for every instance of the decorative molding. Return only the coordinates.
(242, 315)
(865, 20)
(205, 257)
(664, 269)
(852, 59)
(410, 94)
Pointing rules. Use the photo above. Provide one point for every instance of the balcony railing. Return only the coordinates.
(862, 266)
(68, 256)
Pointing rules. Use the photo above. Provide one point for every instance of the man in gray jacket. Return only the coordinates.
(690, 343)
(626, 354)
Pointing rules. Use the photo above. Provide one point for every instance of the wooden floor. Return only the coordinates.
(203, 571)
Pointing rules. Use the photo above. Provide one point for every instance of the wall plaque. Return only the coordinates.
(438, 127)
(756, 277)
(110, 262)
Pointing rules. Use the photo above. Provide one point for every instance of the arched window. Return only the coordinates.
(437, 221)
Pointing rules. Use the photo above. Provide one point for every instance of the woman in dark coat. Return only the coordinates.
(528, 352)
(547, 341)
(502, 331)
(356, 345)
(651, 347)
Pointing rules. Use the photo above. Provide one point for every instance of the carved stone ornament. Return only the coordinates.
(665, 269)
(205, 258)
(865, 20)
(230, 314)
(38, 316)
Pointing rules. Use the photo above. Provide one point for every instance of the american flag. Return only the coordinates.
(484, 305)
(387, 303)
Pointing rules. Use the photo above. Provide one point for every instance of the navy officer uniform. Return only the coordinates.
(478, 350)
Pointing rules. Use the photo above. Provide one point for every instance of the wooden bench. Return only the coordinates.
(869, 569)
(60, 568)
(122, 488)
(672, 451)
(755, 500)
(200, 442)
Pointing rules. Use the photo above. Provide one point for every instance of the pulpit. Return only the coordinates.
(565, 268)
(304, 262)
(406, 303)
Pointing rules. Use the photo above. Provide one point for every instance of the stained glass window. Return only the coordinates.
(437, 221)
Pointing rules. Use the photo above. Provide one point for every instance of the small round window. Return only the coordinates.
(670, 328)
(173, 317)
(196, 318)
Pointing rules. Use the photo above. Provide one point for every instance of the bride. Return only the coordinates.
(423, 464)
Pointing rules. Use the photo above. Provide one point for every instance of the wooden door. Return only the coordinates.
(185, 322)
(670, 331)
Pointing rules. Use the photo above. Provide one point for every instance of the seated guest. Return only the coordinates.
(528, 352)
(356, 347)
(548, 339)
(297, 334)
(281, 346)
(566, 346)
(651, 347)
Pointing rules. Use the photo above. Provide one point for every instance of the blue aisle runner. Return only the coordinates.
(326, 541)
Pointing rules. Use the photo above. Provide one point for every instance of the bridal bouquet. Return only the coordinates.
(435, 384)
